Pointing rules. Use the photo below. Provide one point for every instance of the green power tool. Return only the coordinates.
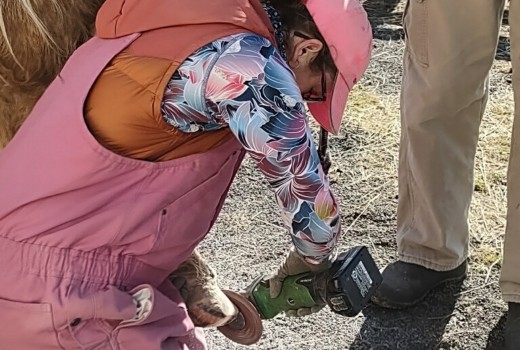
(346, 288)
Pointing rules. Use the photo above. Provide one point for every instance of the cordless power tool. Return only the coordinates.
(346, 288)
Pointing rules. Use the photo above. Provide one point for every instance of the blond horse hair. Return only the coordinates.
(36, 38)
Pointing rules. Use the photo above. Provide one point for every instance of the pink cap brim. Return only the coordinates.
(330, 112)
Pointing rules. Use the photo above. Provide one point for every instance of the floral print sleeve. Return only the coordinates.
(251, 89)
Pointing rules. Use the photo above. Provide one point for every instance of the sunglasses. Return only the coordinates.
(308, 97)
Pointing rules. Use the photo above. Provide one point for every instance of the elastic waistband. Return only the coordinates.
(94, 267)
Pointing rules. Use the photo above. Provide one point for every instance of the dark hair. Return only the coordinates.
(295, 17)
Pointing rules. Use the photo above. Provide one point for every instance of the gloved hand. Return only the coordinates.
(295, 264)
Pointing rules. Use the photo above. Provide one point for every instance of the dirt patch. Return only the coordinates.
(249, 238)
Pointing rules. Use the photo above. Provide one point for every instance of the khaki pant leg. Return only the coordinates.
(510, 278)
(450, 49)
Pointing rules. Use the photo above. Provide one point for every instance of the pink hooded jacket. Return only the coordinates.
(88, 237)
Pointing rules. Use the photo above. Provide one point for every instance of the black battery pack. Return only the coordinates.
(351, 282)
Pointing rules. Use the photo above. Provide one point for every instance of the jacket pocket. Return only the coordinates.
(415, 26)
(86, 334)
(143, 318)
(187, 220)
(26, 326)
(161, 322)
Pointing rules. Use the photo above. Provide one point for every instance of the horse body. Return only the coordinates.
(36, 38)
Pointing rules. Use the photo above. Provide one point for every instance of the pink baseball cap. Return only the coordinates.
(347, 32)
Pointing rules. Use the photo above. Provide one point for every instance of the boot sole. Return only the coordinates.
(400, 306)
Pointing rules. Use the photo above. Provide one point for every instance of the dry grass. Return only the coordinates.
(488, 209)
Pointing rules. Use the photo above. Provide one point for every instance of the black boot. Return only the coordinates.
(406, 284)
(513, 327)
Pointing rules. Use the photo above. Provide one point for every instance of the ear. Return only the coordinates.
(305, 51)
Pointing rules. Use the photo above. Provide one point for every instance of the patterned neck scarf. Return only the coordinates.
(280, 32)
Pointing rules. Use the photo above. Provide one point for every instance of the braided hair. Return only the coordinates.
(295, 17)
